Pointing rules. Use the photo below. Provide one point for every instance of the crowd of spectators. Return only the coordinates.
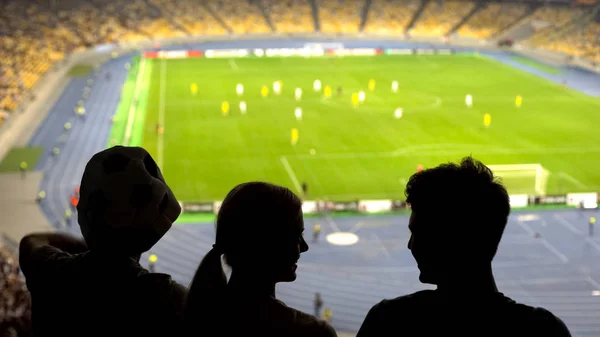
(490, 20)
(439, 17)
(15, 301)
(241, 16)
(584, 42)
(340, 16)
(390, 16)
(290, 16)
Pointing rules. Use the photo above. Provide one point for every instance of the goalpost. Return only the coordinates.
(530, 179)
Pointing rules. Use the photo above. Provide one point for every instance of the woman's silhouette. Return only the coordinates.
(260, 234)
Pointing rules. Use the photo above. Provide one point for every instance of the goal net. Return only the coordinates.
(530, 179)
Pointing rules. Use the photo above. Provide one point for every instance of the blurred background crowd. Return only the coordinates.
(36, 33)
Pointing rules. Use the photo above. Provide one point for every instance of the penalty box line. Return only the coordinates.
(291, 174)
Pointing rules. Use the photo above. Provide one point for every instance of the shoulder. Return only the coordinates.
(162, 288)
(383, 315)
(406, 302)
(551, 325)
(307, 324)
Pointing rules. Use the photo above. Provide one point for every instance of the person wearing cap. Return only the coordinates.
(23, 169)
(152, 262)
(95, 286)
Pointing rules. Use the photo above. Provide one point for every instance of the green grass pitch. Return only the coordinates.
(361, 152)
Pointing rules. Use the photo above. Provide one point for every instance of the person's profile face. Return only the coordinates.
(422, 244)
(289, 249)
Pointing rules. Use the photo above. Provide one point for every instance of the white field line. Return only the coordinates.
(160, 145)
(573, 180)
(133, 105)
(233, 65)
(290, 172)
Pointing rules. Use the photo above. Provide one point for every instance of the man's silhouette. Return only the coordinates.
(95, 286)
(459, 212)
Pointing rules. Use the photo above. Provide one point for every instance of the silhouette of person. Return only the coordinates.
(459, 212)
(260, 234)
(318, 304)
(96, 286)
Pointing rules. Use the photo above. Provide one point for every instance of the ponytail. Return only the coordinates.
(205, 295)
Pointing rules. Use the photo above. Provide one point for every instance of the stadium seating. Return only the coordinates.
(241, 16)
(289, 16)
(390, 16)
(340, 16)
(15, 313)
(33, 38)
(584, 43)
(439, 17)
(491, 20)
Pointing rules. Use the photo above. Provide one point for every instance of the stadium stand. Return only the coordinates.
(290, 16)
(584, 43)
(15, 301)
(340, 16)
(492, 19)
(390, 16)
(440, 17)
(241, 16)
(549, 20)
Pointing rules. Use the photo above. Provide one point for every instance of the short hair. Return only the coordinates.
(463, 201)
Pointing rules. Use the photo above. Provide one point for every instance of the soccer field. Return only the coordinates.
(361, 152)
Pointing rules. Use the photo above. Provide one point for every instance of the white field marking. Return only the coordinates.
(526, 228)
(380, 243)
(408, 151)
(290, 172)
(593, 243)
(233, 65)
(545, 242)
(356, 227)
(555, 251)
(133, 105)
(567, 224)
(593, 282)
(332, 224)
(571, 179)
(161, 115)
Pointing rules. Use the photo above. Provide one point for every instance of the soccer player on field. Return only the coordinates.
(372, 85)
(469, 100)
(264, 91)
(298, 114)
(487, 120)
(239, 89)
(398, 113)
(355, 101)
(340, 91)
(294, 136)
(327, 91)
(243, 107)
(361, 96)
(518, 101)
(277, 87)
(298, 94)
(317, 85)
(395, 86)
(225, 108)
(194, 88)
